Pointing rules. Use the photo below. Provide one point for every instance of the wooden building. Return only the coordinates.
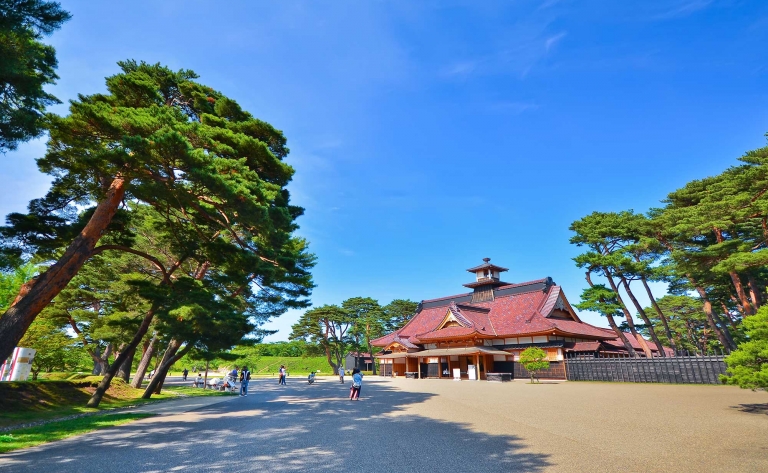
(485, 330)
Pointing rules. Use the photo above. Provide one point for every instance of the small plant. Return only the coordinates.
(534, 360)
(6, 438)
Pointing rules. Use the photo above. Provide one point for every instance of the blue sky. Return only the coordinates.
(428, 135)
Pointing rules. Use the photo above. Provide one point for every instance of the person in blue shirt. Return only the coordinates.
(357, 385)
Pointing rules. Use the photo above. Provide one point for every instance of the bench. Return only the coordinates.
(498, 377)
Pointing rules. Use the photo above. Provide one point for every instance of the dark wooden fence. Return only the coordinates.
(697, 369)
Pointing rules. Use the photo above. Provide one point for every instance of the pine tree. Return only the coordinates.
(26, 66)
(213, 173)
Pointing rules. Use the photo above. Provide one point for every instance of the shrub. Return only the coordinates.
(534, 360)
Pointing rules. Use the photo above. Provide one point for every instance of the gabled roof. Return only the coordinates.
(517, 310)
(448, 332)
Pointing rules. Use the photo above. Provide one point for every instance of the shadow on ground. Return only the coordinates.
(752, 408)
(299, 427)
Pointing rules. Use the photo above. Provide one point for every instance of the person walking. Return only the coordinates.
(357, 385)
(283, 374)
(245, 378)
(341, 374)
(184, 374)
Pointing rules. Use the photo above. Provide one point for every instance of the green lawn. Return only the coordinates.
(30, 401)
(28, 437)
(296, 366)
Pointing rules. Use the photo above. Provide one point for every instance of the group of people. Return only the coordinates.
(245, 377)
(357, 383)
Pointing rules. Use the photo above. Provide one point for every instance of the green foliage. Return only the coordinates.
(600, 299)
(687, 322)
(11, 281)
(368, 321)
(534, 360)
(710, 238)
(748, 366)
(338, 330)
(397, 313)
(55, 349)
(328, 327)
(27, 66)
(206, 199)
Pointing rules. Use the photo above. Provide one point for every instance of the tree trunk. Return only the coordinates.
(334, 366)
(162, 371)
(659, 312)
(173, 347)
(622, 337)
(627, 315)
(612, 323)
(745, 303)
(373, 364)
(110, 373)
(100, 360)
(728, 315)
(748, 309)
(125, 369)
(723, 334)
(205, 379)
(96, 358)
(141, 370)
(644, 316)
(754, 291)
(36, 294)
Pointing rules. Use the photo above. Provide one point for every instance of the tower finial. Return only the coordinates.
(486, 259)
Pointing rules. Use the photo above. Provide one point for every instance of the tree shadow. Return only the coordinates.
(300, 427)
(752, 408)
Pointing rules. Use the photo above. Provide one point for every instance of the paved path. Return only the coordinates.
(432, 426)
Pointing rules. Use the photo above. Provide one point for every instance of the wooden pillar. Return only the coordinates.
(418, 366)
(477, 366)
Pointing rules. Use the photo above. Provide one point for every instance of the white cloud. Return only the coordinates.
(553, 40)
(682, 9)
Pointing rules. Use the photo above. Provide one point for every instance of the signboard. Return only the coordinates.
(471, 372)
(457, 374)
(18, 366)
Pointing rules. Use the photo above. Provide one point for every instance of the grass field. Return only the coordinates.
(31, 401)
(296, 366)
(28, 437)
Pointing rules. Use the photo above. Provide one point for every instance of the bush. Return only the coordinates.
(534, 360)
(748, 365)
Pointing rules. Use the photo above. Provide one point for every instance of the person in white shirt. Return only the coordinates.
(341, 374)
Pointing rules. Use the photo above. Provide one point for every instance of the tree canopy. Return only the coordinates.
(212, 176)
(27, 66)
(709, 243)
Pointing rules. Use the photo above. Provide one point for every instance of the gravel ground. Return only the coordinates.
(433, 426)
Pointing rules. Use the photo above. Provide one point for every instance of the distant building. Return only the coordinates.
(484, 331)
(361, 360)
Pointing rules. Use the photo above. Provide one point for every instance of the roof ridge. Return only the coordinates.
(456, 312)
(447, 297)
(526, 283)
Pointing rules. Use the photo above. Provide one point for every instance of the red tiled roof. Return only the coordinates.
(616, 342)
(523, 313)
(448, 332)
(584, 346)
(459, 316)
